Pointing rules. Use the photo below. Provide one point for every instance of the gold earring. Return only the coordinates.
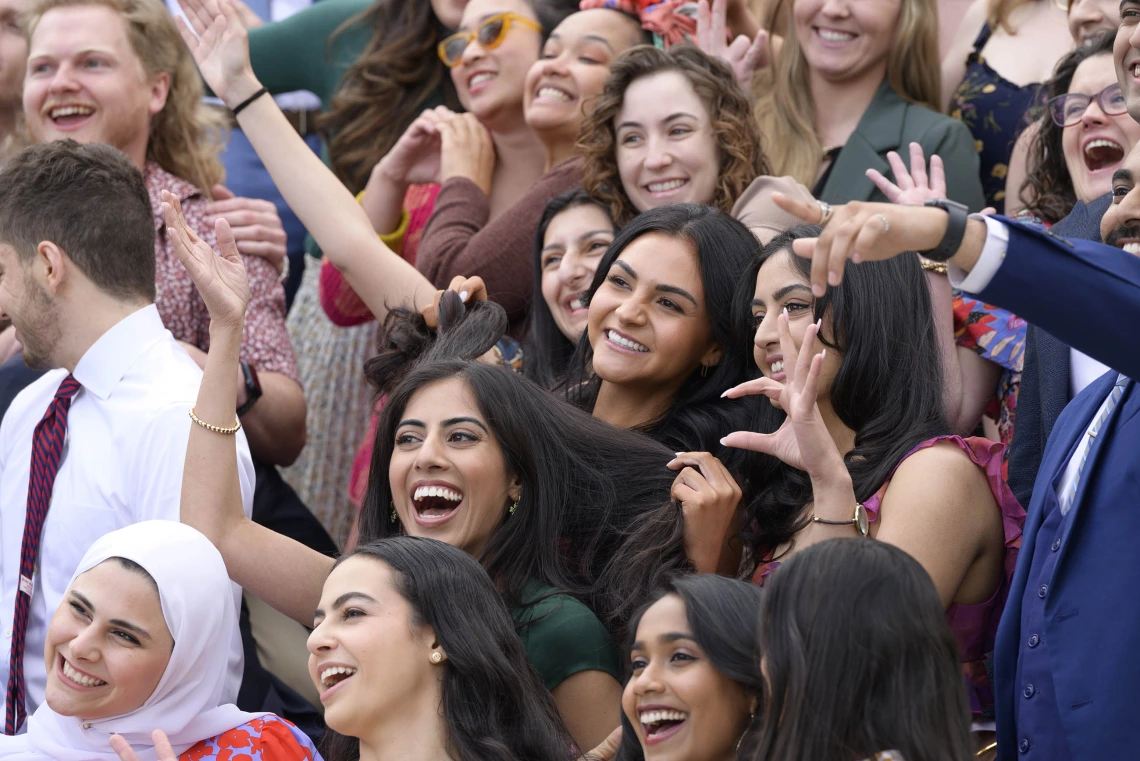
(437, 657)
(515, 505)
(395, 518)
(704, 370)
(739, 742)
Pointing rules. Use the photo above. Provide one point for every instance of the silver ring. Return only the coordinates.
(886, 223)
(825, 212)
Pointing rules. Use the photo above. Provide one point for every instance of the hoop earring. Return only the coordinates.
(740, 741)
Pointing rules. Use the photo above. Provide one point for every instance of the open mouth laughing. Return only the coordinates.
(76, 679)
(1102, 153)
(69, 115)
(624, 343)
(658, 725)
(435, 503)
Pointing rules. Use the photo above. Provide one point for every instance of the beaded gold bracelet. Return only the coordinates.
(938, 268)
(216, 429)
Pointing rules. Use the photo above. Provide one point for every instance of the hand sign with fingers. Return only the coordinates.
(913, 188)
(221, 280)
(162, 747)
(709, 496)
(216, 36)
(803, 440)
(745, 56)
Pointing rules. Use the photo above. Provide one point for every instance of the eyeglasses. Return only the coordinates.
(1067, 110)
(490, 33)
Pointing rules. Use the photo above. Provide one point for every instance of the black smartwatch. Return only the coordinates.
(955, 229)
(252, 388)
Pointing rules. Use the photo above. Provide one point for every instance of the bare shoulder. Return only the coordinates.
(943, 475)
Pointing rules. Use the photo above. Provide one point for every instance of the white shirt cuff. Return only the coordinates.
(989, 261)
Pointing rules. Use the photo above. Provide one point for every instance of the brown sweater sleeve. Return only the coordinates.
(460, 241)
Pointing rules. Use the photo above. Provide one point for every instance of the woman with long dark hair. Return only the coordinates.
(659, 347)
(414, 650)
(858, 660)
(695, 689)
(558, 507)
(573, 233)
(859, 443)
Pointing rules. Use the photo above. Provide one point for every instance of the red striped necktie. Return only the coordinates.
(47, 451)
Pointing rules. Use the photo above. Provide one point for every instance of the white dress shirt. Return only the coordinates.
(122, 463)
(1081, 367)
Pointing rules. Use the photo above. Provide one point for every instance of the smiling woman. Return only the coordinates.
(138, 645)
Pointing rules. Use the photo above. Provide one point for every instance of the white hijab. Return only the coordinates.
(197, 603)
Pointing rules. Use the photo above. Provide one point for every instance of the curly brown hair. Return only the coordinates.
(1048, 189)
(730, 113)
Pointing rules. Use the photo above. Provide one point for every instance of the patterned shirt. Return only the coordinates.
(268, 738)
(265, 342)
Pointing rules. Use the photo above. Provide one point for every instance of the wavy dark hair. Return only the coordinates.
(390, 84)
(730, 113)
(1048, 188)
(547, 351)
(699, 418)
(859, 659)
(495, 706)
(888, 388)
(595, 519)
(724, 617)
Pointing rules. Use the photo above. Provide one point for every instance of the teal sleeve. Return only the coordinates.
(954, 143)
(562, 637)
(300, 53)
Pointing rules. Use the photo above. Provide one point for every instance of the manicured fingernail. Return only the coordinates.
(724, 442)
(819, 323)
(833, 278)
(724, 394)
(463, 295)
(784, 312)
(678, 454)
(823, 353)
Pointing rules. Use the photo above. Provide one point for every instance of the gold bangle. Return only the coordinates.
(216, 429)
(939, 268)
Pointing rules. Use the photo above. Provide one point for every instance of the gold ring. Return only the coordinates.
(825, 212)
(886, 223)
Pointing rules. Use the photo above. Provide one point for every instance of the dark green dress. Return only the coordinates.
(562, 637)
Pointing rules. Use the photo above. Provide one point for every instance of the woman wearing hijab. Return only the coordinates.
(140, 642)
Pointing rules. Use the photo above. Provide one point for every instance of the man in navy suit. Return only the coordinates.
(1067, 668)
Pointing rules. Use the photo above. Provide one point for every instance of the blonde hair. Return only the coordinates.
(786, 111)
(186, 136)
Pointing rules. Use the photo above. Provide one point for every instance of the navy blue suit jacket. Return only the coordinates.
(1088, 296)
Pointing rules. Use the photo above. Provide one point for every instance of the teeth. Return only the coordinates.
(1132, 248)
(438, 491)
(661, 187)
(551, 92)
(832, 35)
(577, 302)
(56, 113)
(777, 367)
(623, 341)
(479, 79)
(1136, 69)
(329, 673)
(655, 717)
(1103, 144)
(78, 678)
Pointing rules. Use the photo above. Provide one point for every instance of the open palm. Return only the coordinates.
(221, 280)
(219, 44)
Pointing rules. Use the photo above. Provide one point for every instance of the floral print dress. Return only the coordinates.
(996, 111)
(267, 738)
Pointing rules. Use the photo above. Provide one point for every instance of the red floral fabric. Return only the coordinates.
(269, 738)
(265, 342)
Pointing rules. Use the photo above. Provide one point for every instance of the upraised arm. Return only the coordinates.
(219, 44)
(284, 573)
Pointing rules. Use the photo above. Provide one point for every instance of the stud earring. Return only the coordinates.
(437, 657)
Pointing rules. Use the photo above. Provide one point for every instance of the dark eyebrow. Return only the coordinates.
(1122, 174)
(662, 288)
(1128, 2)
(781, 293)
(339, 602)
(594, 233)
(667, 637)
(120, 623)
(416, 423)
(592, 37)
(457, 420)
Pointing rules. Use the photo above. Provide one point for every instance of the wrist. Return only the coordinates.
(972, 244)
(386, 174)
(241, 88)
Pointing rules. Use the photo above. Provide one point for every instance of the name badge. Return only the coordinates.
(26, 585)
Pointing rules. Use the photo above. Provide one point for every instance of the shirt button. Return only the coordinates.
(1028, 692)
(1034, 640)
(1023, 746)
(7, 634)
(1042, 590)
(1056, 544)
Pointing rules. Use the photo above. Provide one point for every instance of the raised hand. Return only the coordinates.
(913, 188)
(466, 150)
(415, 158)
(162, 747)
(709, 496)
(221, 280)
(745, 56)
(220, 46)
(470, 290)
(803, 440)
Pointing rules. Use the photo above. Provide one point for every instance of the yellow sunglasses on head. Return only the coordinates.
(491, 32)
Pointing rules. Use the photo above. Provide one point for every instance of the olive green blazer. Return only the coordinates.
(892, 124)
